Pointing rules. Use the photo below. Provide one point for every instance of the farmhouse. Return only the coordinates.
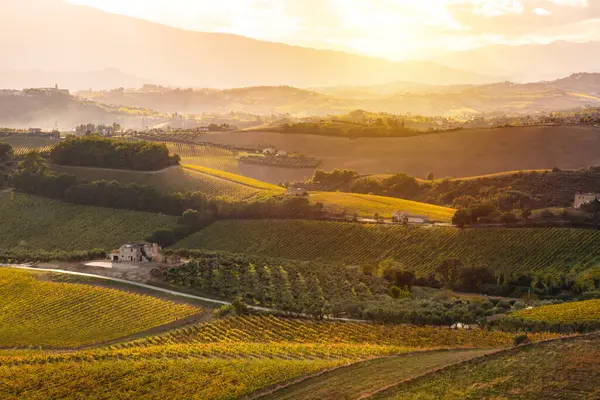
(137, 252)
(282, 153)
(403, 217)
(297, 192)
(269, 151)
(585, 198)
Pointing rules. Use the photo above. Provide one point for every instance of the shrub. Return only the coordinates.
(521, 339)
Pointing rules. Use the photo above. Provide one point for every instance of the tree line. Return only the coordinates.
(95, 151)
(33, 176)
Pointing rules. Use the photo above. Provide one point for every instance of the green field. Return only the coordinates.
(551, 250)
(37, 223)
(169, 180)
(361, 379)
(23, 144)
(367, 205)
(37, 312)
(563, 370)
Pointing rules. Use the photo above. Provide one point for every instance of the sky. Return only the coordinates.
(393, 29)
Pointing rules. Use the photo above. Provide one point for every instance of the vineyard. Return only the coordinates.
(36, 312)
(368, 205)
(34, 223)
(564, 369)
(205, 156)
(25, 144)
(554, 251)
(269, 329)
(169, 180)
(580, 311)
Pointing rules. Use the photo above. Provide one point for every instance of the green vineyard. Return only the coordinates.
(552, 250)
(36, 312)
(23, 144)
(36, 223)
(169, 180)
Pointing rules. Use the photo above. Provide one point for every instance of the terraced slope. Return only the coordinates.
(554, 250)
(37, 223)
(36, 312)
(563, 370)
(368, 205)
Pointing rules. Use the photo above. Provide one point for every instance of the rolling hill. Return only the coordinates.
(36, 223)
(549, 251)
(458, 154)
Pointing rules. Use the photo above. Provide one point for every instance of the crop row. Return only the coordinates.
(269, 329)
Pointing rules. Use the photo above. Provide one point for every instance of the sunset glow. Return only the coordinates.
(394, 29)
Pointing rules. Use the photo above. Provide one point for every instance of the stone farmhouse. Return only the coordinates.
(137, 252)
(403, 217)
(585, 198)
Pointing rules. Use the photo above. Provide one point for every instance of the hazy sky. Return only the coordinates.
(393, 29)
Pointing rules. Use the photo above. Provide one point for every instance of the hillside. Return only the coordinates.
(368, 205)
(560, 369)
(36, 223)
(495, 99)
(504, 250)
(458, 154)
(39, 312)
(233, 357)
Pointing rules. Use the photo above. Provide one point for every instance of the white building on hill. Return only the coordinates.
(404, 217)
(585, 198)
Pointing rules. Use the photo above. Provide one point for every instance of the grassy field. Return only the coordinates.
(170, 180)
(37, 223)
(580, 311)
(35, 312)
(489, 150)
(552, 250)
(557, 370)
(367, 205)
(361, 379)
(24, 144)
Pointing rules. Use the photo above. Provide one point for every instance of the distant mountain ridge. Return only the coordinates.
(527, 63)
(577, 90)
(65, 37)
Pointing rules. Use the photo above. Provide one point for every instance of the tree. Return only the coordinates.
(462, 217)
(448, 271)
(163, 237)
(6, 151)
(525, 214)
(431, 177)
